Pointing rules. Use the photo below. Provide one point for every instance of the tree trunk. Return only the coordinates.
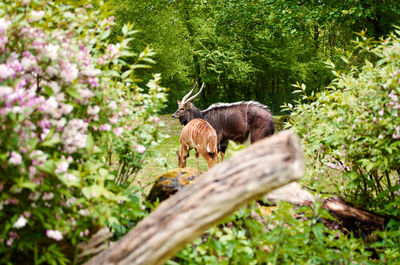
(264, 166)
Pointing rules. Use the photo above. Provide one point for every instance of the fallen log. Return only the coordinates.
(264, 166)
(349, 218)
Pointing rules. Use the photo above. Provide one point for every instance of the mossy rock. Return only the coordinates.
(170, 182)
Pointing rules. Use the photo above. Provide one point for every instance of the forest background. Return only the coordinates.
(251, 50)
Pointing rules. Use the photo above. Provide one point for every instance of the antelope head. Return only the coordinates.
(186, 110)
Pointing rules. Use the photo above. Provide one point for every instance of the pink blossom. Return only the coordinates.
(38, 157)
(27, 214)
(5, 91)
(333, 165)
(62, 167)
(112, 105)
(155, 119)
(65, 108)
(52, 71)
(59, 124)
(44, 134)
(3, 42)
(105, 127)
(28, 61)
(70, 178)
(70, 201)
(381, 112)
(21, 222)
(54, 234)
(6, 71)
(15, 65)
(113, 49)
(86, 94)
(48, 196)
(15, 158)
(12, 201)
(118, 131)
(141, 149)
(32, 171)
(91, 71)
(36, 15)
(93, 81)
(51, 51)
(74, 135)
(55, 87)
(84, 233)
(69, 72)
(84, 212)
(113, 120)
(396, 135)
(4, 25)
(93, 110)
(50, 105)
(393, 96)
(9, 242)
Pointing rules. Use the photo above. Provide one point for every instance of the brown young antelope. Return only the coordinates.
(232, 121)
(201, 136)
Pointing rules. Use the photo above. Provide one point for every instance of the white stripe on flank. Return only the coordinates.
(223, 105)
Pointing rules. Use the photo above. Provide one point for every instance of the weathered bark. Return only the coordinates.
(264, 166)
(349, 218)
(360, 222)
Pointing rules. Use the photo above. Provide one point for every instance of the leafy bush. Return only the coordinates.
(70, 114)
(353, 128)
(283, 238)
(351, 133)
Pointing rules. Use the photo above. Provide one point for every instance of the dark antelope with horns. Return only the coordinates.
(231, 121)
(198, 134)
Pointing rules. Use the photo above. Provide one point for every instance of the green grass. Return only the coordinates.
(166, 151)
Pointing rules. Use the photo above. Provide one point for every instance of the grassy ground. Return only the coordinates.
(167, 159)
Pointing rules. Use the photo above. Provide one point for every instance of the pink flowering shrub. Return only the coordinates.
(353, 129)
(70, 114)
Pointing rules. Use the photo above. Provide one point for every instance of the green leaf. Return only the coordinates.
(48, 167)
(131, 32)
(111, 73)
(105, 34)
(51, 142)
(126, 73)
(126, 53)
(89, 143)
(70, 182)
(28, 184)
(73, 93)
(124, 29)
(317, 230)
(135, 66)
(48, 90)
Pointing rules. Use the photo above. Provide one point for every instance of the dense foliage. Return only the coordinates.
(282, 238)
(350, 132)
(68, 100)
(75, 119)
(353, 127)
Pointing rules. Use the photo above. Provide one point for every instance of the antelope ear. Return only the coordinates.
(179, 102)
